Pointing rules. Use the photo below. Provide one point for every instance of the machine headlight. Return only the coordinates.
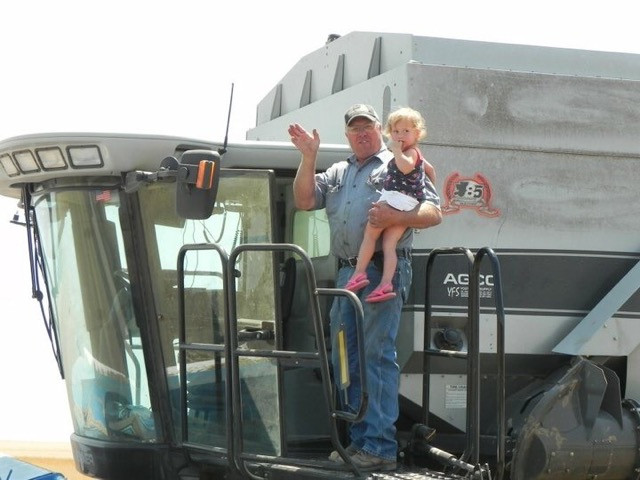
(26, 161)
(85, 156)
(51, 158)
(9, 167)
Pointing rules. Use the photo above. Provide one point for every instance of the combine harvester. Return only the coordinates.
(186, 298)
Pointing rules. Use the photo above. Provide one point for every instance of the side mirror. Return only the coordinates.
(197, 177)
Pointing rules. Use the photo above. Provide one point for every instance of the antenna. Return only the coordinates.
(223, 150)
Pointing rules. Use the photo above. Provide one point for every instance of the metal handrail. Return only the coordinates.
(472, 359)
(474, 300)
(321, 354)
(183, 346)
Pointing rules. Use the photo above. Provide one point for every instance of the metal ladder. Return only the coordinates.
(238, 458)
(470, 459)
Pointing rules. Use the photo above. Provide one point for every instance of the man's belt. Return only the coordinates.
(377, 257)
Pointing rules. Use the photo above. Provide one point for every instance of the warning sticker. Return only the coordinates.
(455, 396)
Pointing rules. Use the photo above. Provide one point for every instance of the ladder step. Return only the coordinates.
(445, 353)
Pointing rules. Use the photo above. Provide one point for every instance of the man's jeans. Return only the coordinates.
(375, 434)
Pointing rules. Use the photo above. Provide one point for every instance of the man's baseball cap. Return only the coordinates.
(361, 110)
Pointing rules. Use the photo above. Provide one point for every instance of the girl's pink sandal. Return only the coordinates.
(357, 282)
(381, 294)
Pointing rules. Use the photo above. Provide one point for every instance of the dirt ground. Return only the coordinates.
(52, 456)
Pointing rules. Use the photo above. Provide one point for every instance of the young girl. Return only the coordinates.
(403, 189)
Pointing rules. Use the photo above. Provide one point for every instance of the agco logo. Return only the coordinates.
(468, 192)
(457, 285)
(463, 279)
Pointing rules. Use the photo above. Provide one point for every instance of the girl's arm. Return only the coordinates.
(430, 171)
(406, 161)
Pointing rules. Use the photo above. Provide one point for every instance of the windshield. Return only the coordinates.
(89, 240)
(99, 338)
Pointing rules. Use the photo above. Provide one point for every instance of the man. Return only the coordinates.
(348, 191)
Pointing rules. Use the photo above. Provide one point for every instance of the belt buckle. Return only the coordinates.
(352, 262)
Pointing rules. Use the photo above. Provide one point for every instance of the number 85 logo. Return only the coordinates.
(468, 192)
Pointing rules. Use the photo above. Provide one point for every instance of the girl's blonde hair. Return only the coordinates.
(406, 113)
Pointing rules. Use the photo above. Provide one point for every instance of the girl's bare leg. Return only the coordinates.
(390, 238)
(367, 248)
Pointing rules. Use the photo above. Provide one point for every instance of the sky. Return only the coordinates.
(166, 67)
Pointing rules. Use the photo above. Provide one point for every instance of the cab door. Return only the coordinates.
(243, 214)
